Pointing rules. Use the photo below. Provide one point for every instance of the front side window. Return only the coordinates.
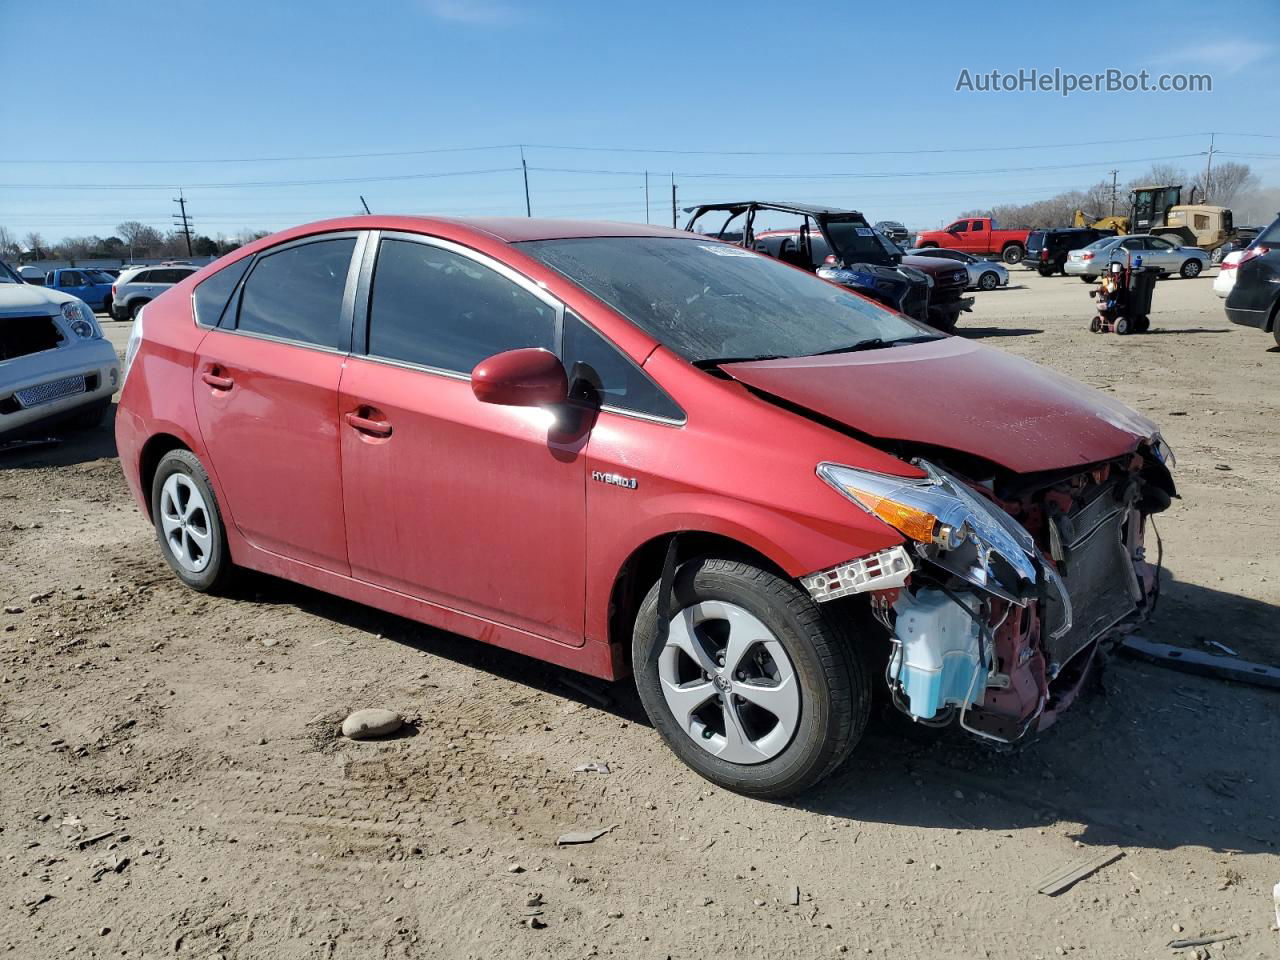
(707, 300)
(296, 294)
(601, 375)
(436, 308)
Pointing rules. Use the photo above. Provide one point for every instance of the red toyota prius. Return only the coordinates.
(631, 450)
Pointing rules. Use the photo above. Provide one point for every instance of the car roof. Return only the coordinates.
(804, 209)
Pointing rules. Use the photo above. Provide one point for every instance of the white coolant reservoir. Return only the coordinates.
(939, 660)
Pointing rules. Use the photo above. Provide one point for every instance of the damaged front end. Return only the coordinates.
(1007, 587)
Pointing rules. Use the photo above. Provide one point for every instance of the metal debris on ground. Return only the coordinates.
(1064, 878)
(594, 766)
(1202, 664)
(1200, 941)
(89, 841)
(582, 836)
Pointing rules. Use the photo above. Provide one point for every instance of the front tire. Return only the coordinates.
(1191, 269)
(988, 281)
(189, 524)
(753, 688)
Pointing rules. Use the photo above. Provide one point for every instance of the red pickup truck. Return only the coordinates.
(977, 235)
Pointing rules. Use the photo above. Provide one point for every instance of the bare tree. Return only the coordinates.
(139, 237)
(78, 248)
(9, 245)
(1226, 182)
(36, 244)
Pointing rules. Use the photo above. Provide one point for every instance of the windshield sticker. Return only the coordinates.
(864, 231)
(725, 250)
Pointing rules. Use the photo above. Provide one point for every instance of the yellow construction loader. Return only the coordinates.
(1159, 210)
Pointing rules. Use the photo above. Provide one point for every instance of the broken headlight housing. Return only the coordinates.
(949, 524)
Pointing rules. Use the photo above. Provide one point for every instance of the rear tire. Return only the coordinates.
(189, 523)
(135, 308)
(776, 754)
(1012, 253)
(1086, 279)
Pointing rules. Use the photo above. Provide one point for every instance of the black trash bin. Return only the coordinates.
(1142, 284)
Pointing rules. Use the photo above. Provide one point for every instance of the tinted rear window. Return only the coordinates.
(211, 295)
(296, 294)
(1271, 234)
(1035, 240)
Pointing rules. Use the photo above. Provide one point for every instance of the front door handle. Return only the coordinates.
(217, 382)
(374, 428)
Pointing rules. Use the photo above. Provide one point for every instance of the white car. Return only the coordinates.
(983, 274)
(137, 287)
(1226, 278)
(1088, 262)
(55, 365)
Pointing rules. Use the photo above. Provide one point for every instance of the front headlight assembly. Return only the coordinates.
(80, 318)
(950, 525)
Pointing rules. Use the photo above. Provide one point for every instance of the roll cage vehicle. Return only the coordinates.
(840, 246)
(636, 451)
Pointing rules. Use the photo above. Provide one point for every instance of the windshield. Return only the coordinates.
(7, 275)
(707, 300)
(858, 243)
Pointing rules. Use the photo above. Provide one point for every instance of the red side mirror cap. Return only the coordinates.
(528, 377)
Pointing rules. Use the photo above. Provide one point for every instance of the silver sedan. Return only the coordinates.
(983, 274)
(1091, 261)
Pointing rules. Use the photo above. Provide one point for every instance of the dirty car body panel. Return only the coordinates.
(833, 454)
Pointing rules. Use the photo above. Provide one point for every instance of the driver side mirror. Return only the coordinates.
(528, 377)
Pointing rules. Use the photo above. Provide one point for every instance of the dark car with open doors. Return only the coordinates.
(840, 246)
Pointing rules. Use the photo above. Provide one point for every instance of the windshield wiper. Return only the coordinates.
(710, 363)
(876, 343)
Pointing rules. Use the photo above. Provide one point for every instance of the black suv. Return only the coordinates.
(1254, 301)
(1047, 249)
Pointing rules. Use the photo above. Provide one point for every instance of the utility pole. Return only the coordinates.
(1114, 174)
(365, 203)
(1208, 167)
(183, 219)
(646, 196)
(674, 225)
(528, 210)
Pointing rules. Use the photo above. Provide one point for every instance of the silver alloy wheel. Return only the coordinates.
(729, 683)
(184, 518)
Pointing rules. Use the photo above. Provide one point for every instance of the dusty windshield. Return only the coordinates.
(859, 243)
(705, 299)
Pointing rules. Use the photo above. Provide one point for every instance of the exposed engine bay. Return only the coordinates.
(1009, 585)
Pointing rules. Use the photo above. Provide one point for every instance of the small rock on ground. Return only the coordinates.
(365, 724)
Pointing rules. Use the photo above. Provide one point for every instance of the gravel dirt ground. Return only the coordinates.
(172, 783)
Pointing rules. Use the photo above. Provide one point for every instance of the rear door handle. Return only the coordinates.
(217, 382)
(374, 428)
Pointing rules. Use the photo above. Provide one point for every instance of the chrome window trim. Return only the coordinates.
(348, 292)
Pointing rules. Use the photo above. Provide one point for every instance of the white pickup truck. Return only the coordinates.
(55, 365)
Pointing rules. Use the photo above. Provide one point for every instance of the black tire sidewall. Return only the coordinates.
(219, 566)
(835, 697)
(984, 285)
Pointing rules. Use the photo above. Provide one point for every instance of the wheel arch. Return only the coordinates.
(643, 568)
(149, 458)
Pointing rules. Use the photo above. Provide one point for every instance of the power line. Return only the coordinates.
(690, 152)
(253, 183)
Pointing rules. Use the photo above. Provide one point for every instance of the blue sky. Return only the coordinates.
(233, 80)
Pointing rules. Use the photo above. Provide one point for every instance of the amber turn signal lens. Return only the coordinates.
(917, 524)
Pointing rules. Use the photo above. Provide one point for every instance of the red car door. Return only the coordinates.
(266, 393)
(473, 506)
